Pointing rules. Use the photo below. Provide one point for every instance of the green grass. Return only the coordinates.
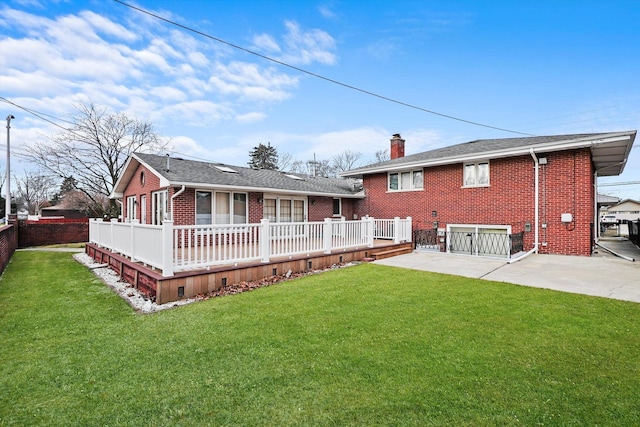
(366, 345)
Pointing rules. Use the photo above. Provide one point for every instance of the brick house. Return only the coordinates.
(154, 187)
(477, 196)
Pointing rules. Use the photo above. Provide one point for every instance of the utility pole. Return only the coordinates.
(314, 165)
(7, 209)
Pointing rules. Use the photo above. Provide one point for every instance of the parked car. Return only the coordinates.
(609, 219)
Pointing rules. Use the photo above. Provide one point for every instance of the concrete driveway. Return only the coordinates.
(602, 274)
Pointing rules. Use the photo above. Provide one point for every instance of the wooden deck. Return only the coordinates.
(187, 284)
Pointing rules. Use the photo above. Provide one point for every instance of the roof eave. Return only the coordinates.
(204, 186)
(496, 154)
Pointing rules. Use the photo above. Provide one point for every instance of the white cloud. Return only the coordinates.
(266, 42)
(305, 47)
(326, 12)
(251, 82)
(300, 46)
(135, 66)
(252, 117)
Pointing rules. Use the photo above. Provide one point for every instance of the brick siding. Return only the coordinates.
(8, 244)
(565, 186)
(51, 232)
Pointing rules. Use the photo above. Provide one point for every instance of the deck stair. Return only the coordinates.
(401, 249)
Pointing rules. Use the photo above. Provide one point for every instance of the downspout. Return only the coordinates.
(179, 192)
(536, 214)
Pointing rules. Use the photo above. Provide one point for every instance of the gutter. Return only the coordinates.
(268, 190)
(174, 196)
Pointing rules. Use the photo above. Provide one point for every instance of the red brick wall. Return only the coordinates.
(8, 244)
(255, 208)
(35, 233)
(184, 206)
(568, 180)
(566, 186)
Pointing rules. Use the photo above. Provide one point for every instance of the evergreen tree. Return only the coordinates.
(263, 157)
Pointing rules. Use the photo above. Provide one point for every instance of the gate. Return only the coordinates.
(480, 240)
(517, 242)
(426, 239)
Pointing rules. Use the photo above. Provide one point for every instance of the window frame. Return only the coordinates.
(339, 206)
(277, 201)
(230, 204)
(131, 208)
(476, 174)
(399, 180)
(160, 197)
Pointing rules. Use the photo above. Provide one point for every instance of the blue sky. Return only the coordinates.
(542, 68)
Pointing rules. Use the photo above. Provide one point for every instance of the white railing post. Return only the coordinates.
(327, 233)
(167, 247)
(94, 231)
(265, 240)
(112, 238)
(132, 236)
(370, 226)
(409, 229)
(397, 231)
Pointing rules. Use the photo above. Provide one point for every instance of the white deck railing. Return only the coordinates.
(187, 247)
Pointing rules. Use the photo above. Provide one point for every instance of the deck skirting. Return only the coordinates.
(200, 282)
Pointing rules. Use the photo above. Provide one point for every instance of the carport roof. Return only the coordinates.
(609, 152)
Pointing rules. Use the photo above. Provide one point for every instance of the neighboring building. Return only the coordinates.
(540, 188)
(154, 187)
(57, 212)
(626, 210)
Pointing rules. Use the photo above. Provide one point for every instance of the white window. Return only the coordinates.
(203, 207)
(143, 209)
(229, 208)
(337, 207)
(284, 209)
(131, 208)
(405, 181)
(159, 206)
(239, 208)
(476, 174)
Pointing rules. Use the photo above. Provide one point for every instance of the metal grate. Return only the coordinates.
(426, 239)
(517, 242)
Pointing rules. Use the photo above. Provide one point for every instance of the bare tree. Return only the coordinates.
(34, 190)
(285, 161)
(313, 168)
(345, 161)
(94, 151)
(382, 156)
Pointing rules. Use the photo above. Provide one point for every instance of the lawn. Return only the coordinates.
(364, 345)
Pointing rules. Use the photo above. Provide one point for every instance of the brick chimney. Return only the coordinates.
(397, 147)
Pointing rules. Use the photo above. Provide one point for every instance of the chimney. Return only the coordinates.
(397, 147)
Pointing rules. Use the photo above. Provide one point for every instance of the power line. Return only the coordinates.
(38, 114)
(615, 184)
(301, 70)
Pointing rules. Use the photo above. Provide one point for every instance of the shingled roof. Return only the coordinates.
(610, 151)
(174, 171)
